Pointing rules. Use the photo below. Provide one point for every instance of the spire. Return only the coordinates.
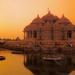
(63, 16)
(48, 11)
(38, 16)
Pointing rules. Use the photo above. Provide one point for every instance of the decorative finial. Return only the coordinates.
(48, 11)
(63, 16)
(38, 16)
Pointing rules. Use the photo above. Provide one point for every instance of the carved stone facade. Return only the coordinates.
(49, 29)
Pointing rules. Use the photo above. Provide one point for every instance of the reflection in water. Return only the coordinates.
(13, 65)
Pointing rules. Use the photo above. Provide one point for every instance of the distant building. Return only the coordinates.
(17, 39)
(49, 30)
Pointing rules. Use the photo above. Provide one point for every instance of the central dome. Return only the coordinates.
(49, 18)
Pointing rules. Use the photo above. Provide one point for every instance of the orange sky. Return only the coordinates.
(16, 14)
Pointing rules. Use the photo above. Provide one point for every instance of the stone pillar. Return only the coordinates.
(24, 36)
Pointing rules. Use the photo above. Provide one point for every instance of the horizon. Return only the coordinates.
(16, 14)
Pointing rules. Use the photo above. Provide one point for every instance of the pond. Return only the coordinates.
(13, 64)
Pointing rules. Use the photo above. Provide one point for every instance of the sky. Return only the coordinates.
(16, 14)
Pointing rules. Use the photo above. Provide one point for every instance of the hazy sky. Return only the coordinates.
(16, 14)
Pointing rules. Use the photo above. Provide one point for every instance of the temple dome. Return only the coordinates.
(64, 20)
(36, 20)
(49, 18)
(34, 24)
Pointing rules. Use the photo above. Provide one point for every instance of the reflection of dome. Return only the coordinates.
(50, 18)
(64, 20)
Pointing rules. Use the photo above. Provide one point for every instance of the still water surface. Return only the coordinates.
(13, 65)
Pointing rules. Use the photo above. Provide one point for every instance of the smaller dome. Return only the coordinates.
(26, 28)
(64, 20)
(36, 20)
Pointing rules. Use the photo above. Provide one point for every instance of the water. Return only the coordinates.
(13, 65)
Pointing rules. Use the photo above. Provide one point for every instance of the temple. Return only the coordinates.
(48, 30)
(50, 45)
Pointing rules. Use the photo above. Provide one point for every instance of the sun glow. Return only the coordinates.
(16, 14)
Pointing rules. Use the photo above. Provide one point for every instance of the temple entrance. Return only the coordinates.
(69, 34)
